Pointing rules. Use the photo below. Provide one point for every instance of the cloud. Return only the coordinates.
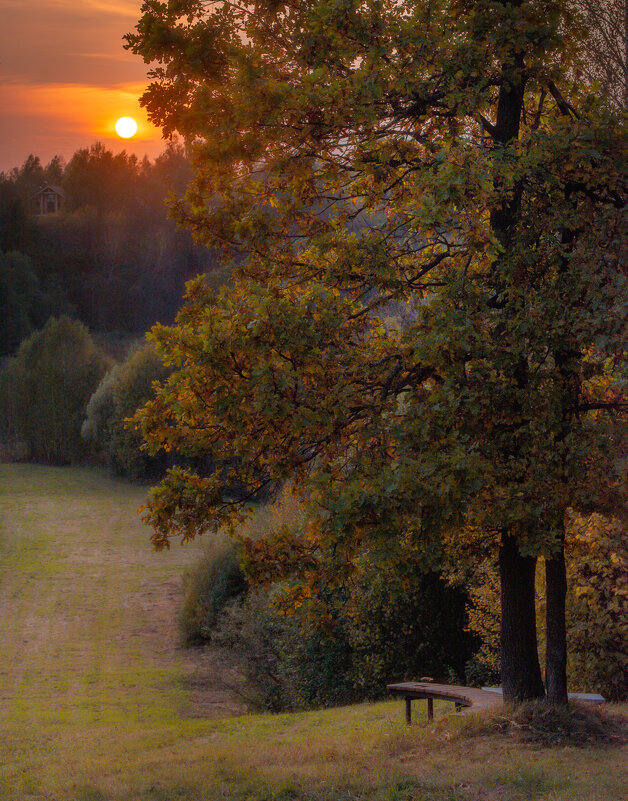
(86, 107)
(120, 8)
(122, 56)
(47, 41)
(66, 77)
(60, 118)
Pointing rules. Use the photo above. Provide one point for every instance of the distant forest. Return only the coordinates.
(111, 257)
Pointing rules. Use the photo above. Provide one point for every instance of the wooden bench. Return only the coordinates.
(588, 698)
(485, 698)
(460, 696)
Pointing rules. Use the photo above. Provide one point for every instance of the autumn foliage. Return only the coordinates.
(434, 155)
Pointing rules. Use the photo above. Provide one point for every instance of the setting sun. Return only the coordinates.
(126, 127)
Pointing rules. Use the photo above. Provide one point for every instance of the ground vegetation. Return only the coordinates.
(99, 703)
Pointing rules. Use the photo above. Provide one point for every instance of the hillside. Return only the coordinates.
(98, 702)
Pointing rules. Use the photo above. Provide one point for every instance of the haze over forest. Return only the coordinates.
(112, 257)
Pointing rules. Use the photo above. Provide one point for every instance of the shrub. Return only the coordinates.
(262, 644)
(215, 580)
(347, 654)
(343, 646)
(122, 390)
(218, 578)
(597, 606)
(484, 622)
(404, 626)
(47, 386)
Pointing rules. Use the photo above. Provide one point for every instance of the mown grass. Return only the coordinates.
(97, 702)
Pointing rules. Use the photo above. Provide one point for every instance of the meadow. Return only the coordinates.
(98, 701)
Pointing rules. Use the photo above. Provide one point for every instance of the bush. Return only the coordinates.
(484, 621)
(46, 389)
(340, 647)
(306, 661)
(597, 606)
(122, 390)
(404, 626)
(263, 644)
(216, 579)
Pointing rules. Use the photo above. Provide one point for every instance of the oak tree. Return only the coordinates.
(425, 323)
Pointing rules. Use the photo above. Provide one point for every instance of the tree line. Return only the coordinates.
(111, 258)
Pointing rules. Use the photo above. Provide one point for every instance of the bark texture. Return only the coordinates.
(556, 652)
(520, 669)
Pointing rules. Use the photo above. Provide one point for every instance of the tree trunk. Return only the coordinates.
(556, 632)
(567, 361)
(520, 669)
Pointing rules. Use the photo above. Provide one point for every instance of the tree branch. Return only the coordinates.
(566, 108)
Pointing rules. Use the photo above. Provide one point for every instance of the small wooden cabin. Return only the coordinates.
(48, 200)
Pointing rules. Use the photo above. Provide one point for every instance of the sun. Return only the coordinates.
(126, 127)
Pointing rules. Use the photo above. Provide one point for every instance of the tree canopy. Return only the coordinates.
(47, 386)
(426, 323)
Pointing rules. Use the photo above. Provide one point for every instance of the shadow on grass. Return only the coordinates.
(406, 790)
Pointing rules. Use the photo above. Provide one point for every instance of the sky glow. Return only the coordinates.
(65, 79)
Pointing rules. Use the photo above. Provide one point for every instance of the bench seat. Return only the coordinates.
(484, 698)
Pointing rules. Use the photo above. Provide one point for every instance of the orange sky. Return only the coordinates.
(65, 79)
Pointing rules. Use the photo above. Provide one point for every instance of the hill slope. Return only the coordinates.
(98, 703)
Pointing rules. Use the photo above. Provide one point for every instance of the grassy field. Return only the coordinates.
(98, 703)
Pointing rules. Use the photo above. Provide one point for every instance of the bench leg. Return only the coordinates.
(430, 709)
(408, 711)
(458, 707)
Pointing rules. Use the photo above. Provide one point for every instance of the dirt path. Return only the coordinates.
(88, 629)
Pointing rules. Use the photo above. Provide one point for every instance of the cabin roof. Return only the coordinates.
(48, 188)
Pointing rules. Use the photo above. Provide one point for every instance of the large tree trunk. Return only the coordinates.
(520, 669)
(556, 652)
(568, 379)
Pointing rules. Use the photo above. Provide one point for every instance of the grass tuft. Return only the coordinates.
(547, 725)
